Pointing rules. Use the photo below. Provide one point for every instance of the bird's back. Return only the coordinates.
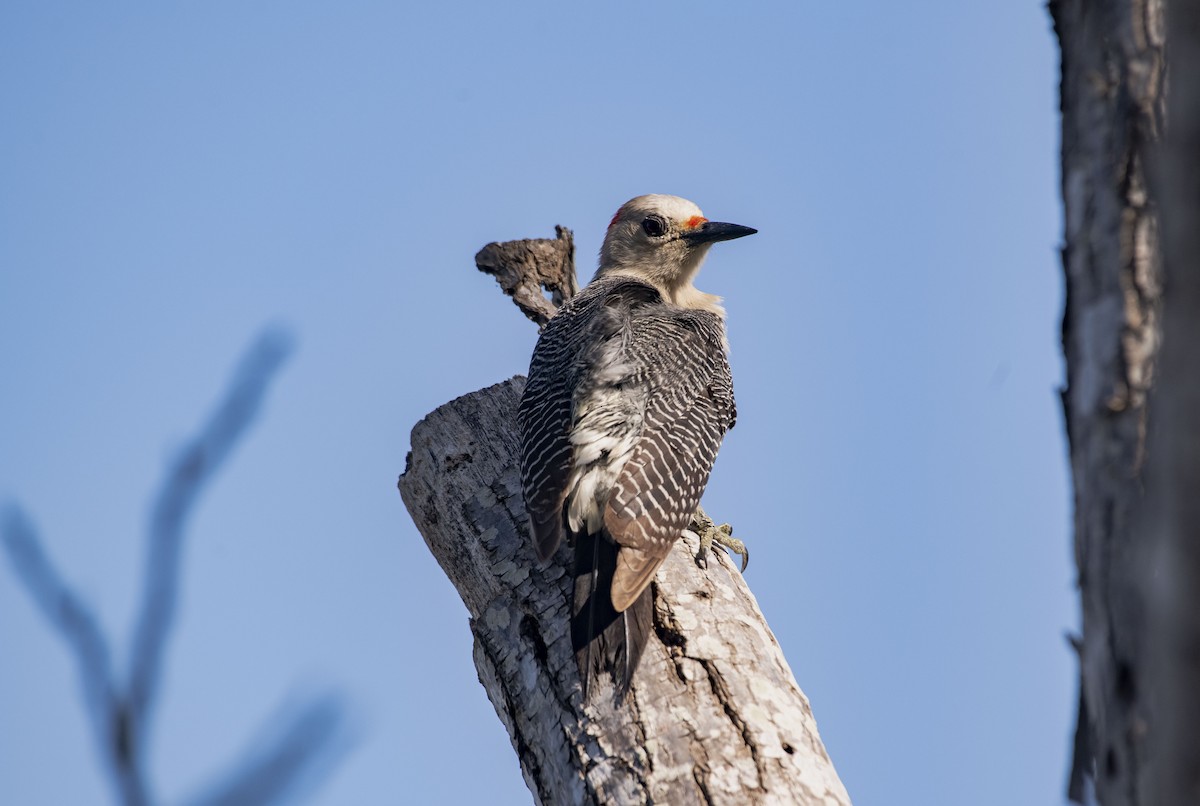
(626, 403)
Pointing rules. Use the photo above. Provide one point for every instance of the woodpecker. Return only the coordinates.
(628, 397)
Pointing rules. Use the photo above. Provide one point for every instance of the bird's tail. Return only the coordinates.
(604, 640)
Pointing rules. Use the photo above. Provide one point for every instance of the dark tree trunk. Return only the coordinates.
(1172, 519)
(1112, 101)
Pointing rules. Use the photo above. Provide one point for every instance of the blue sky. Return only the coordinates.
(175, 177)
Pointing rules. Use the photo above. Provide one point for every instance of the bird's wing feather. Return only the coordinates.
(544, 420)
(561, 369)
(681, 357)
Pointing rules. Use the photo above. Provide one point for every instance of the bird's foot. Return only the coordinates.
(721, 535)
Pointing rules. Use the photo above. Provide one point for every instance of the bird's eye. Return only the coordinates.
(655, 226)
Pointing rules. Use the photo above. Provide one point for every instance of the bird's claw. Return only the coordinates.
(721, 535)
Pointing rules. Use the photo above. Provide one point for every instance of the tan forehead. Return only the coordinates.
(672, 207)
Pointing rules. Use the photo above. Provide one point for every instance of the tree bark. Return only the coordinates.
(1112, 101)
(714, 714)
(1173, 464)
(524, 268)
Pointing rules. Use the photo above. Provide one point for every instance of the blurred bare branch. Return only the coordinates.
(73, 619)
(298, 745)
(309, 738)
(192, 469)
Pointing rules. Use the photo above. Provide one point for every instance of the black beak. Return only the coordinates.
(713, 231)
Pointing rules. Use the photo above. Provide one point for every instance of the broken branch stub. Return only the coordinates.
(524, 268)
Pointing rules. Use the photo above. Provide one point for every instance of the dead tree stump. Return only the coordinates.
(714, 714)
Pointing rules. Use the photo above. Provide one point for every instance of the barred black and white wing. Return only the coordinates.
(623, 412)
(574, 403)
(544, 422)
(679, 357)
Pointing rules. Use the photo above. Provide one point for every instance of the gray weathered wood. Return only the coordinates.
(1112, 98)
(714, 714)
(524, 268)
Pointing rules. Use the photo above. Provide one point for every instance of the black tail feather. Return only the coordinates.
(603, 639)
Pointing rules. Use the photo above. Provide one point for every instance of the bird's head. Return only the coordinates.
(663, 240)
